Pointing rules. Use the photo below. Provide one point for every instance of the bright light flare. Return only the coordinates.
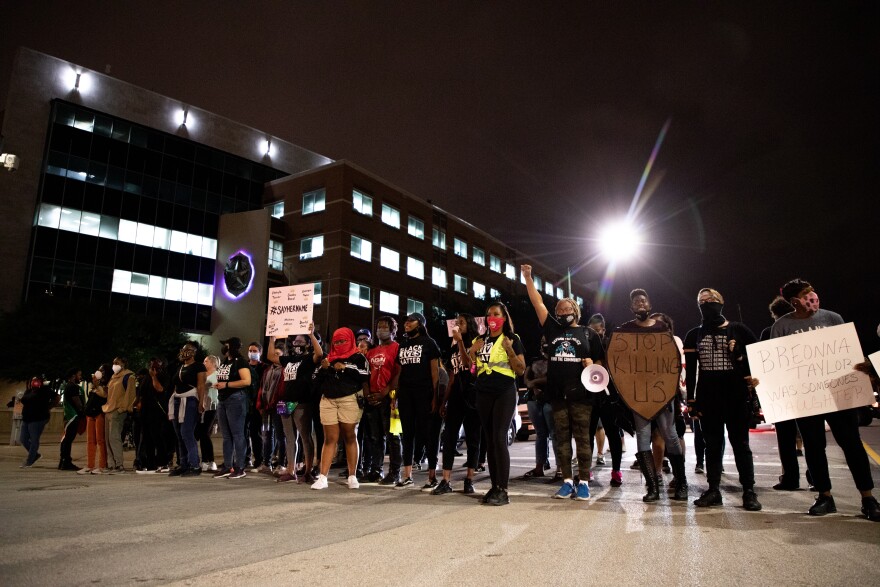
(619, 241)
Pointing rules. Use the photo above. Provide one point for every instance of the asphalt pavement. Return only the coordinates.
(60, 528)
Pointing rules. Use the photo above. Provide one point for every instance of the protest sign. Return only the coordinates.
(645, 367)
(875, 360)
(481, 324)
(809, 373)
(290, 309)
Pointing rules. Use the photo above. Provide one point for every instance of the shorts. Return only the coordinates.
(344, 410)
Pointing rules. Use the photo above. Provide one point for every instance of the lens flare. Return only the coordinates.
(619, 241)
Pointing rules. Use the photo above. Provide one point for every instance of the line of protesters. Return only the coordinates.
(394, 398)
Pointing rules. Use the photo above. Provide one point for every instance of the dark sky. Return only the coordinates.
(535, 121)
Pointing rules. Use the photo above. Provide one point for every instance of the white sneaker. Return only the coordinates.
(353, 482)
(212, 466)
(321, 483)
(84, 471)
(204, 467)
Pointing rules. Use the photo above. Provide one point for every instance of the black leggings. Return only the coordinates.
(845, 429)
(203, 435)
(415, 417)
(458, 413)
(603, 411)
(726, 405)
(496, 412)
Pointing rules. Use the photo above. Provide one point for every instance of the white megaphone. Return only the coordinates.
(595, 378)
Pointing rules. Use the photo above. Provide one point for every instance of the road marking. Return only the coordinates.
(871, 452)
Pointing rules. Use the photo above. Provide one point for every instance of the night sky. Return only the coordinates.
(535, 122)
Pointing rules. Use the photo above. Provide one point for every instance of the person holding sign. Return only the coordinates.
(844, 423)
(716, 349)
(571, 348)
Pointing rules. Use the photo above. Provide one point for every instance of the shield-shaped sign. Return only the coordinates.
(645, 367)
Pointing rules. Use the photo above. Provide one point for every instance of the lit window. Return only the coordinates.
(559, 293)
(193, 244)
(459, 247)
(439, 238)
(278, 209)
(189, 292)
(157, 287)
(389, 259)
(178, 239)
(209, 248)
(317, 295)
(128, 234)
(110, 227)
(313, 201)
(509, 271)
(389, 302)
(479, 256)
(494, 293)
(206, 294)
(91, 224)
(140, 284)
(145, 235)
(390, 216)
(580, 301)
(121, 281)
(479, 291)
(538, 282)
(438, 277)
(359, 295)
(548, 288)
(522, 278)
(494, 263)
(361, 248)
(50, 215)
(311, 247)
(70, 219)
(413, 306)
(362, 203)
(460, 283)
(161, 237)
(276, 255)
(415, 268)
(416, 228)
(173, 290)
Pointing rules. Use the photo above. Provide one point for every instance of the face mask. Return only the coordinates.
(810, 302)
(185, 354)
(711, 312)
(98, 375)
(495, 322)
(642, 314)
(37, 384)
(254, 356)
(298, 350)
(383, 333)
(565, 319)
(117, 368)
(224, 350)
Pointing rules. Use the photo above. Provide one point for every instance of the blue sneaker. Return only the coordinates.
(583, 491)
(565, 492)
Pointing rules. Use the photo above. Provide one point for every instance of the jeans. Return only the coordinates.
(186, 431)
(541, 415)
(30, 438)
(273, 434)
(665, 425)
(845, 428)
(113, 423)
(231, 413)
(572, 420)
(253, 424)
(496, 412)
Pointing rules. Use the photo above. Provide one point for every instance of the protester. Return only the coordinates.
(605, 414)
(540, 413)
(95, 442)
(151, 417)
(186, 407)
(209, 416)
(268, 396)
(253, 420)
(74, 417)
(233, 380)
(384, 368)
(120, 401)
(37, 403)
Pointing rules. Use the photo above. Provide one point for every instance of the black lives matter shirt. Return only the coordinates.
(415, 356)
(567, 347)
(496, 382)
(298, 371)
(228, 371)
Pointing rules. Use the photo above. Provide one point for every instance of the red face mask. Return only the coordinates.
(495, 322)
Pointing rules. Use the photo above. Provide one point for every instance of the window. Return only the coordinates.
(548, 288)
(494, 293)
(317, 296)
(389, 302)
(313, 201)
(413, 306)
(49, 215)
(311, 247)
(460, 283)
(362, 203)
(416, 228)
(580, 301)
(438, 277)
(359, 295)
(479, 291)
(361, 248)
(389, 258)
(439, 238)
(509, 271)
(276, 255)
(390, 216)
(479, 256)
(522, 278)
(415, 268)
(494, 263)
(559, 293)
(538, 282)
(460, 247)
(156, 286)
(278, 209)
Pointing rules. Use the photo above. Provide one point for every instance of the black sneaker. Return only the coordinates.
(490, 495)
(192, 472)
(708, 499)
(871, 508)
(500, 497)
(442, 488)
(480, 469)
(824, 505)
(222, 473)
(404, 483)
(373, 477)
(468, 486)
(237, 474)
(390, 479)
(430, 485)
(177, 471)
(750, 501)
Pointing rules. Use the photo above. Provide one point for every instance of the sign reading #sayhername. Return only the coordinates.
(645, 367)
(809, 373)
(290, 309)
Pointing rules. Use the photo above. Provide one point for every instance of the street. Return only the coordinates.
(61, 528)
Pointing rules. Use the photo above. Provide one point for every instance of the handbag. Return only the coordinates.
(94, 404)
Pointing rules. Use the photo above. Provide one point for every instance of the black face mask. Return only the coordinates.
(565, 319)
(712, 315)
(298, 350)
(225, 349)
(642, 315)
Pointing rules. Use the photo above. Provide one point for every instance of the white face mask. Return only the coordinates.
(254, 356)
(98, 375)
(117, 368)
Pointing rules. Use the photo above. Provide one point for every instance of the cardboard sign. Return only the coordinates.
(809, 373)
(645, 367)
(290, 309)
(480, 320)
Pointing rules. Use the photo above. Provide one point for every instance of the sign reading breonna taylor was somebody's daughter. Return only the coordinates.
(290, 309)
(809, 373)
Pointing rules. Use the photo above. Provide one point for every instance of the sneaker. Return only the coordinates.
(403, 483)
(824, 505)
(785, 486)
(468, 487)
(442, 488)
(177, 472)
(500, 497)
(699, 470)
(489, 495)
(237, 474)
(321, 483)
(600, 461)
(68, 466)
(100, 471)
(264, 469)
(84, 471)
(390, 479)
(192, 472)
(119, 470)
(145, 471)
(616, 478)
(430, 485)
(708, 499)
(163, 469)
(373, 477)
(222, 473)
(209, 466)
(750, 501)
(480, 469)
(353, 482)
(871, 508)
(285, 478)
(583, 492)
(565, 492)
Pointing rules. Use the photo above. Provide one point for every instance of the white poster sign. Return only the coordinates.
(290, 309)
(809, 373)
(875, 360)
(481, 324)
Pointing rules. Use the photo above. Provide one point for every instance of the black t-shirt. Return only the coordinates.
(463, 378)
(632, 326)
(567, 347)
(709, 351)
(415, 356)
(187, 377)
(228, 371)
(36, 404)
(298, 372)
(495, 382)
(334, 384)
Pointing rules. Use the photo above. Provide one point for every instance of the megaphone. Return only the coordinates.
(595, 378)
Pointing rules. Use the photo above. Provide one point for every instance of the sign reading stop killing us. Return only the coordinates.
(290, 309)
(645, 367)
(809, 373)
